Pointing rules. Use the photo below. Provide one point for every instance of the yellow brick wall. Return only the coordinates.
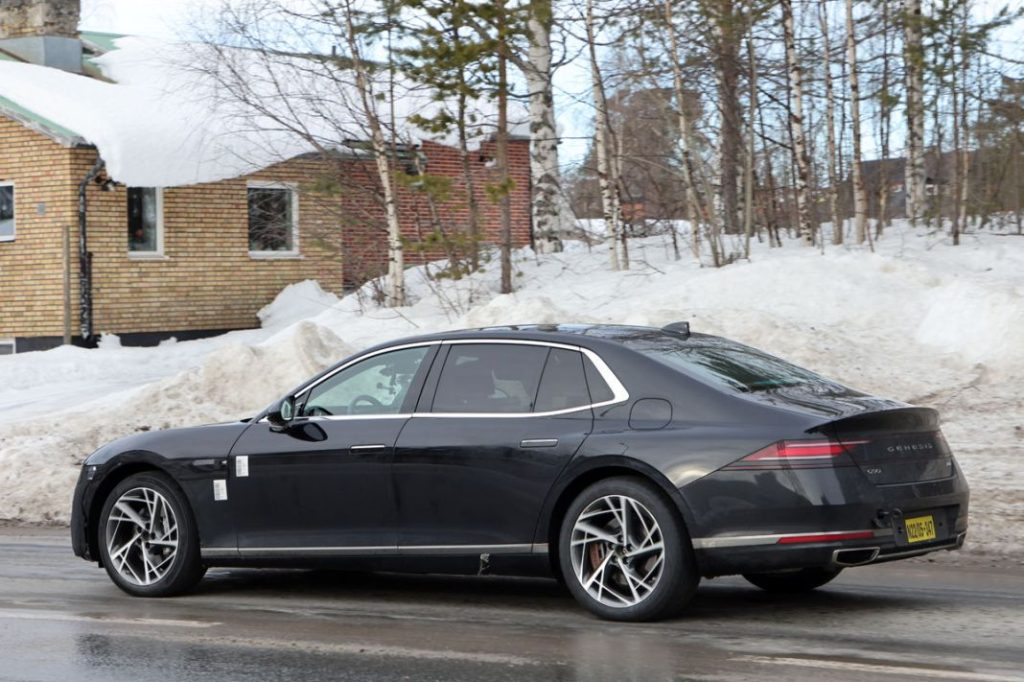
(206, 279)
(31, 271)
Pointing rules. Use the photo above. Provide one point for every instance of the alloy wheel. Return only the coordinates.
(617, 551)
(142, 536)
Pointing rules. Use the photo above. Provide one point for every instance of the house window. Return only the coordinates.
(273, 220)
(8, 347)
(145, 221)
(6, 212)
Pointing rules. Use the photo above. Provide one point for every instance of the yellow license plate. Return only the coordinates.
(920, 528)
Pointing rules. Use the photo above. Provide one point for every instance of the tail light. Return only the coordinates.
(800, 454)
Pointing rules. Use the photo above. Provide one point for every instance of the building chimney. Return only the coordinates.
(42, 32)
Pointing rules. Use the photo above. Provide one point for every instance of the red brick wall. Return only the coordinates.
(364, 235)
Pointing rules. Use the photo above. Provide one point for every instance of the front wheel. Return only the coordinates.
(624, 554)
(793, 582)
(148, 539)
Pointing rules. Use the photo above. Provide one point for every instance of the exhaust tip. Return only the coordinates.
(855, 557)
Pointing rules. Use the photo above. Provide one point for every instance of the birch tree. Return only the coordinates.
(860, 199)
(796, 126)
(503, 190)
(913, 68)
(751, 155)
(605, 145)
(549, 204)
(886, 101)
(830, 125)
(382, 158)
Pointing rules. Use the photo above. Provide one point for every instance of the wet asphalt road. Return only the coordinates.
(61, 619)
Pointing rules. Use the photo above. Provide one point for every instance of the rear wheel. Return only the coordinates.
(624, 554)
(792, 582)
(148, 539)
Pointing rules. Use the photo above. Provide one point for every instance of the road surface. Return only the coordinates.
(62, 619)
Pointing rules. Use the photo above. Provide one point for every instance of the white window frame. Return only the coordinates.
(14, 219)
(294, 189)
(13, 343)
(159, 252)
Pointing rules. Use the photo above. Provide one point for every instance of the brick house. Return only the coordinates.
(195, 260)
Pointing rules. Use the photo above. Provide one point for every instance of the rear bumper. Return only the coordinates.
(774, 557)
(752, 522)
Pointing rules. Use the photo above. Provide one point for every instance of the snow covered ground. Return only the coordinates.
(919, 320)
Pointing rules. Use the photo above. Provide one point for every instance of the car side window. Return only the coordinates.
(490, 378)
(563, 385)
(377, 385)
(599, 389)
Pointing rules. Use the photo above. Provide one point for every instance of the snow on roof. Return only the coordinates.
(163, 116)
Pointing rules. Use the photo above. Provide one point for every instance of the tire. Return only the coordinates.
(793, 582)
(626, 579)
(147, 557)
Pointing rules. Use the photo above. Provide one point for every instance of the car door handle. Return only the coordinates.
(538, 443)
(368, 448)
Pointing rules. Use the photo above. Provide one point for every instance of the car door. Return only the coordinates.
(474, 465)
(323, 485)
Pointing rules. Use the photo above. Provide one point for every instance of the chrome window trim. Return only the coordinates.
(339, 417)
(345, 417)
(619, 392)
(311, 386)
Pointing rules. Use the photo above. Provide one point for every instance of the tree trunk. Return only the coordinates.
(502, 151)
(830, 127)
(796, 125)
(616, 165)
(726, 58)
(467, 177)
(963, 156)
(395, 293)
(771, 205)
(697, 209)
(749, 158)
(913, 59)
(860, 197)
(604, 147)
(884, 126)
(548, 205)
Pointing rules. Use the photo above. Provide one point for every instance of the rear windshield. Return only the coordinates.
(734, 366)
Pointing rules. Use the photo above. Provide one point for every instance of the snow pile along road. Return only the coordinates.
(919, 321)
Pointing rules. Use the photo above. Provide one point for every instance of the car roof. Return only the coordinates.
(586, 335)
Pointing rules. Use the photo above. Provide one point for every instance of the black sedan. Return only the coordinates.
(628, 461)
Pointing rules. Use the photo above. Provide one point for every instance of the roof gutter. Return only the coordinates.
(85, 257)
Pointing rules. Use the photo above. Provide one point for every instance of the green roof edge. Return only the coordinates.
(40, 124)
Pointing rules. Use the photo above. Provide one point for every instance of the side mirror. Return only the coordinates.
(281, 417)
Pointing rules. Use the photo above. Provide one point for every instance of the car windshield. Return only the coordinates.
(734, 366)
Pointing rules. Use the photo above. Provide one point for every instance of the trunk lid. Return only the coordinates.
(895, 446)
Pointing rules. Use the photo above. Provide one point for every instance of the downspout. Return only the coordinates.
(85, 257)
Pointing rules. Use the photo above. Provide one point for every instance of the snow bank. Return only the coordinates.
(919, 321)
(296, 302)
(39, 457)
